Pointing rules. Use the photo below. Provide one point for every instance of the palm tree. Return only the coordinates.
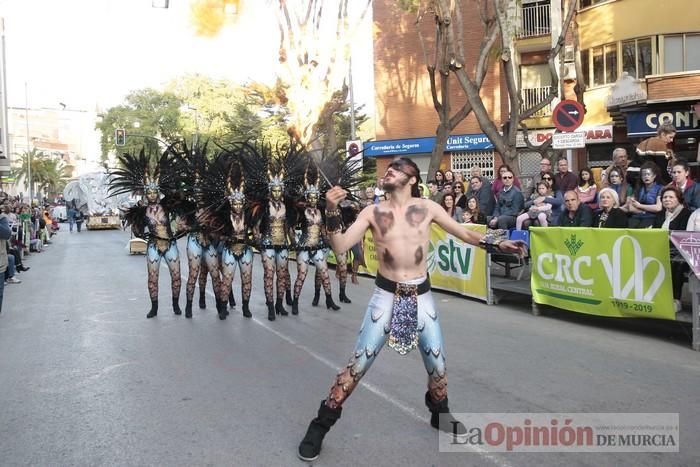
(22, 172)
(54, 177)
(48, 174)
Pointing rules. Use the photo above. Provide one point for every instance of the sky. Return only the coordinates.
(88, 54)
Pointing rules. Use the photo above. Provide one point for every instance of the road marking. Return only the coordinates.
(496, 460)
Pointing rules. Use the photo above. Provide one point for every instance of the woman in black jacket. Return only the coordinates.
(674, 216)
(610, 215)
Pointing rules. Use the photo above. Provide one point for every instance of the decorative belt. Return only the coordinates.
(403, 334)
(391, 286)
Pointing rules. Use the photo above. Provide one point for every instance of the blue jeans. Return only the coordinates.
(11, 269)
(2, 292)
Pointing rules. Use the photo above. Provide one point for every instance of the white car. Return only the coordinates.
(59, 213)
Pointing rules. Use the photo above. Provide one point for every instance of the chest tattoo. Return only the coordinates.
(415, 215)
(384, 220)
(388, 259)
(419, 255)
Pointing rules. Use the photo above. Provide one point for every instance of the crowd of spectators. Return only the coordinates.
(24, 230)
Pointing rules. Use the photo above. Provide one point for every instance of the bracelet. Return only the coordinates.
(334, 223)
(490, 245)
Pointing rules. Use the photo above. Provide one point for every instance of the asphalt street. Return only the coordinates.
(87, 380)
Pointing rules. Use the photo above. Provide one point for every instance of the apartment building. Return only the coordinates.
(641, 66)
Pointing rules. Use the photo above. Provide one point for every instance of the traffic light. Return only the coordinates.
(120, 137)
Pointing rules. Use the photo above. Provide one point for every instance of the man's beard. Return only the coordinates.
(392, 186)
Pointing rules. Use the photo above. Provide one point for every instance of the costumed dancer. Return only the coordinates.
(202, 254)
(312, 245)
(348, 214)
(153, 221)
(284, 174)
(225, 182)
(401, 309)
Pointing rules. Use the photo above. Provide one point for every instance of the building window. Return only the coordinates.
(463, 161)
(586, 67)
(636, 57)
(587, 3)
(681, 53)
(611, 63)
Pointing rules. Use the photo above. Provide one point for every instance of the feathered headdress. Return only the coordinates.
(144, 172)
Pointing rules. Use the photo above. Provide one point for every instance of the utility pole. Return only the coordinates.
(29, 151)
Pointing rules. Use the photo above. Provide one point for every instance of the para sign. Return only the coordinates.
(603, 272)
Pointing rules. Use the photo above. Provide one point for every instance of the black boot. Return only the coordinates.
(330, 304)
(279, 308)
(202, 301)
(317, 295)
(176, 306)
(449, 423)
(246, 310)
(188, 309)
(270, 311)
(231, 299)
(221, 308)
(288, 297)
(310, 446)
(343, 298)
(295, 306)
(154, 309)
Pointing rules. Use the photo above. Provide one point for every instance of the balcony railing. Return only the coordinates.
(532, 97)
(535, 21)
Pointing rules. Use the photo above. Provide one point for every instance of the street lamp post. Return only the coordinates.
(29, 151)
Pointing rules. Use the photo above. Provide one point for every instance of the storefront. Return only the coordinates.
(643, 123)
(597, 153)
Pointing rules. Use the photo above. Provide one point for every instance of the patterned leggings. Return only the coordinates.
(373, 335)
(196, 255)
(172, 258)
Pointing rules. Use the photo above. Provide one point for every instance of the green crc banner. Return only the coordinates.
(605, 272)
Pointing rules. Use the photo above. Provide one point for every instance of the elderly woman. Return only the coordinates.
(674, 216)
(610, 215)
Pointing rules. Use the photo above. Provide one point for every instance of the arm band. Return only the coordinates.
(334, 222)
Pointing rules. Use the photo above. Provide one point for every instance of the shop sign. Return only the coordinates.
(570, 140)
(399, 147)
(594, 135)
(646, 123)
(627, 90)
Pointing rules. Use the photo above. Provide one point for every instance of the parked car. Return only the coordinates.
(59, 213)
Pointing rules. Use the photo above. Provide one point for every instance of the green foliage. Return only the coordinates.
(48, 174)
(147, 115)
(410, 6)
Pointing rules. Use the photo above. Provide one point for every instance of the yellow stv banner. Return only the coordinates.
(605, 272)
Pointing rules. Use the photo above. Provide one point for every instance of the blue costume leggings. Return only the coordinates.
(172, 258)
(373, 335)
(244, 261)
(196, 255)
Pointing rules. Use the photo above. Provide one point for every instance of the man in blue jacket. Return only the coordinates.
(510, 204)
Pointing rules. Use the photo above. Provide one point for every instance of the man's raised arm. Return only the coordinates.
(342, 242)
(451, 226)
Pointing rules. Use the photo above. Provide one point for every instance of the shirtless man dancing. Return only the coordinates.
(401, 309)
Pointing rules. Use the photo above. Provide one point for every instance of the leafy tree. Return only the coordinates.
(448, 60)
(147, 116)
(48, 174)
